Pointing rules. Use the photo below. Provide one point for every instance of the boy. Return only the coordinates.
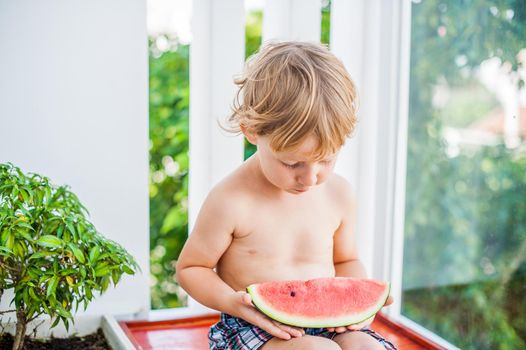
(283, 214)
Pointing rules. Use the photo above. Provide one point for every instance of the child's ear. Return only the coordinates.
(251, 137)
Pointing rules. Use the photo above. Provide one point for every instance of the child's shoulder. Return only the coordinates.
(234, 188)
(340, 190)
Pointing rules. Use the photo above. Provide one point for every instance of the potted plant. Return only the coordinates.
(50, 253)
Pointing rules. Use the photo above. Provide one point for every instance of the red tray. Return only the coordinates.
(191, 333)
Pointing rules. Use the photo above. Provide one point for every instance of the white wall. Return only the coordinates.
(74, 107)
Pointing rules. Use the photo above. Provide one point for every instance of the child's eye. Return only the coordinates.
(326, 162)
(292, 166)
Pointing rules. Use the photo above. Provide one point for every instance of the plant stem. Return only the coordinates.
(6, 311)
(21, 324)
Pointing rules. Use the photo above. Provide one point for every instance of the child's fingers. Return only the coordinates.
(338, 329)
(293, 331)
(252, 315)
(389, 301)
(361, 325)
(268, 325)
(244, 298)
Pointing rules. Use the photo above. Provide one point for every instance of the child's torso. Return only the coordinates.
(277, 240)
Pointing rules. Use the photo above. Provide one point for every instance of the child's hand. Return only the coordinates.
(358, 326)
(246, 310)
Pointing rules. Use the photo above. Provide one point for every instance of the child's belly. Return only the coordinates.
(241, 268)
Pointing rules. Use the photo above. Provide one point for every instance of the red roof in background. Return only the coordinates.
(494, 123)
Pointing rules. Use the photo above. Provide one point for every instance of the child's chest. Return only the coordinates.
(292, 231)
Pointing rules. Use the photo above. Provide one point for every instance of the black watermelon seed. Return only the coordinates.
(292, 294)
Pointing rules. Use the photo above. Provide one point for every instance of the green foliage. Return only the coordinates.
(326, 22)
(253, 30)
(169, 99)
(50, 253)
(465, 230)
(253, 37)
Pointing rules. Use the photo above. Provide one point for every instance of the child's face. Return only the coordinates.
(294, 171)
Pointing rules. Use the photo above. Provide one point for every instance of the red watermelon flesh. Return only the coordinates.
(321, 302)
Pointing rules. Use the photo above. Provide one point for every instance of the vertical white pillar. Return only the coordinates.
(216, 55)
(292, 20)
(354, 41)
(347, 33)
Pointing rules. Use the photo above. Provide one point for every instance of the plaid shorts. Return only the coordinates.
(232, 333)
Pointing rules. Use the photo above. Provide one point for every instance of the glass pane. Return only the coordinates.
(464, 268)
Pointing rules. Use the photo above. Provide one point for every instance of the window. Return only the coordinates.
(464, 255)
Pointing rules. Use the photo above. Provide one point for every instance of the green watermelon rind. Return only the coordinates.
(309, 323)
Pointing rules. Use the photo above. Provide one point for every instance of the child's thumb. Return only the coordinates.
(245, 298)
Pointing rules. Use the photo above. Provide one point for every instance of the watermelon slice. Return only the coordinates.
(321, 302)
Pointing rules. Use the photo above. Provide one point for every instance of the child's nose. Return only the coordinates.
(308, 178)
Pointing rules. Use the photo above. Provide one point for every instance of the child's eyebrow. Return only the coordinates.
(291, 160)
(303, 159)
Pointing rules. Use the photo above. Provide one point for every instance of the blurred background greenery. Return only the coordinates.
(464, 270)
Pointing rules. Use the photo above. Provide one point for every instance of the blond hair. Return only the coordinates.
(292, 90)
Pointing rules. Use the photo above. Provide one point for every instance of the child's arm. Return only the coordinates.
(345, 255)
(210, 238)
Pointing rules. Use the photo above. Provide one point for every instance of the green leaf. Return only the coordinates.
(101, 270)
(50, 241)
(10, 242)
(52, 286)
(105, 283)
(25, 296)
(87, 290)
(19, 249)
(33, 295)
(5, 251)
(94, 254)
(25, 224)
(127, 269)
(77, 252)
(68, 271)
(115, 276)
(71, 228)
(5, 236)
(41, 254)
(14, 192)
(55, 323)
(63, 312)
(26, 236)
(60, 230)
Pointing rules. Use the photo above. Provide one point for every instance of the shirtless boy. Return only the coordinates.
(283, 214)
